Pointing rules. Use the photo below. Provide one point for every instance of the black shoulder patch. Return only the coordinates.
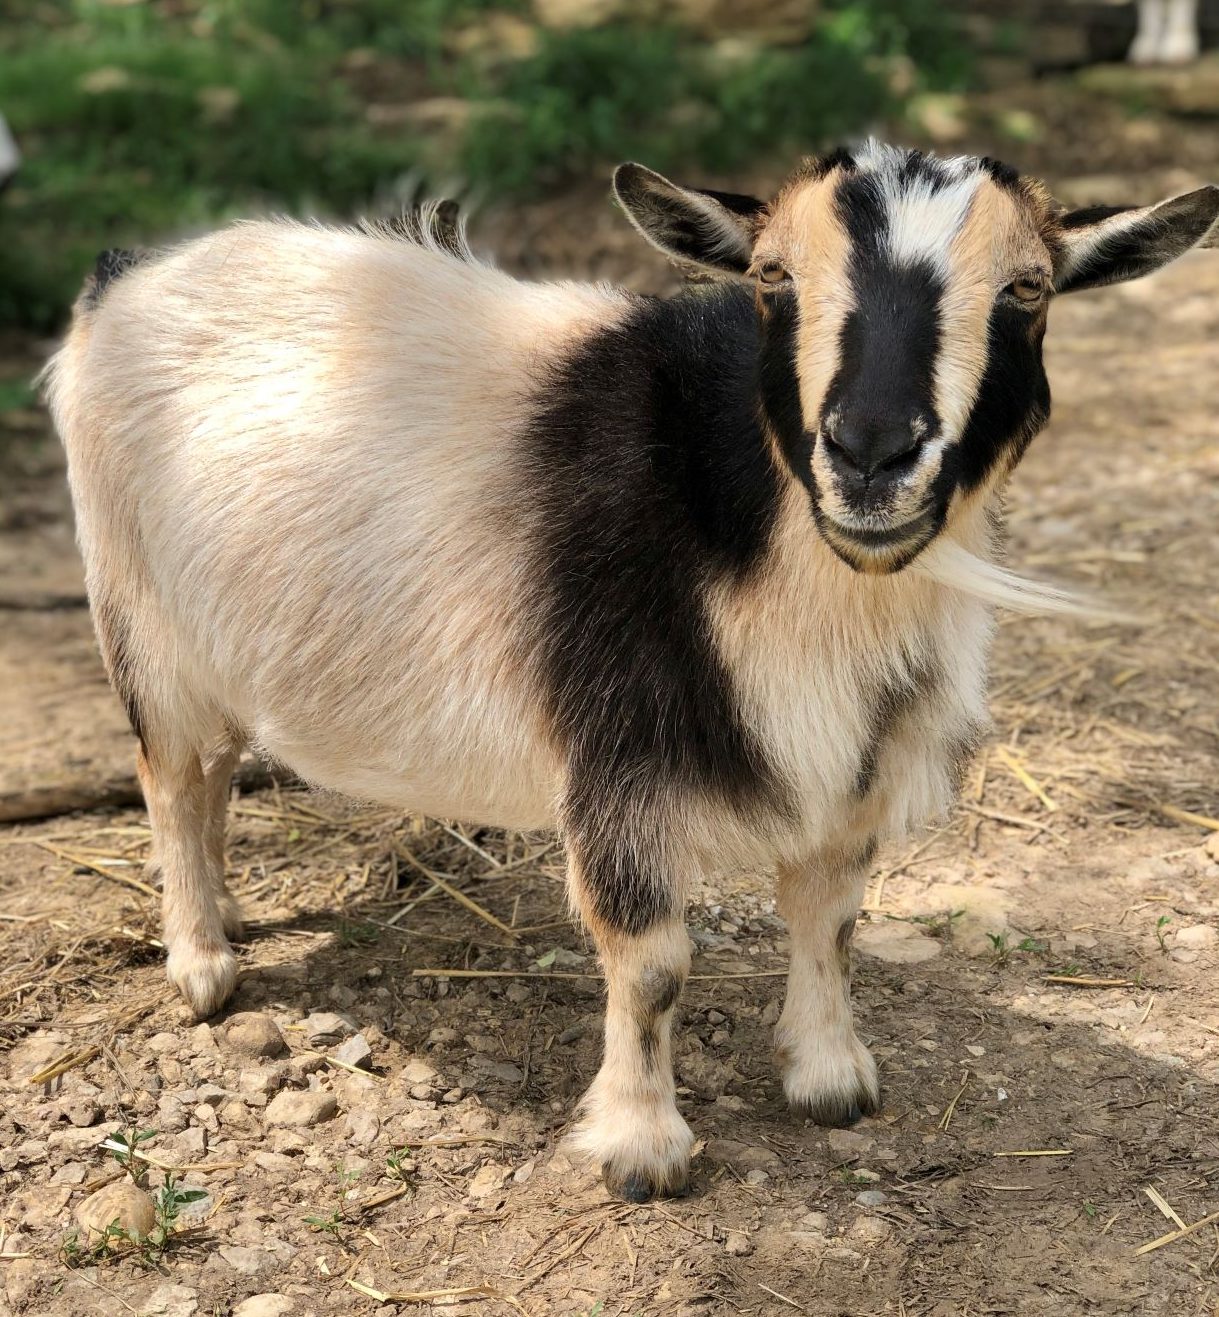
(654, 481)
(1003, 174)
(111, 264)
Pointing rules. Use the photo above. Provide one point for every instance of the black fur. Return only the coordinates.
(658, 994)
(892, 703)
(1013, 401)
(116, 650)
(654, 481)
(110, 265)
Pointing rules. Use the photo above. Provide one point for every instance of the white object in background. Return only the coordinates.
(1168, 32)
(10, 157)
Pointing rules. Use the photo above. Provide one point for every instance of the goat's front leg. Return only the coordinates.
(829, 1075)
(630, 1121)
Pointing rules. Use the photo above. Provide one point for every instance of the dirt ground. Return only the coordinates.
(441, 1169)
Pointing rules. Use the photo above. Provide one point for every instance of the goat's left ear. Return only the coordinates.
(1110, 244)
(712, 229)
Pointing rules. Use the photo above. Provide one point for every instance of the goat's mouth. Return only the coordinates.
(879, 551)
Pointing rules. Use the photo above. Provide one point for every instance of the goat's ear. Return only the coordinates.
(711, 229)
(1110, 244)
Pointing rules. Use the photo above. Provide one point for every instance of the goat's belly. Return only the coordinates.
(445, 780)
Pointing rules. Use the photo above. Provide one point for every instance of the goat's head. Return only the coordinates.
(902, 302)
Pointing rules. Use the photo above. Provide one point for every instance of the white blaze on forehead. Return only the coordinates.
(925, 209)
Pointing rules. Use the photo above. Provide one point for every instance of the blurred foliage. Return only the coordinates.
(145, 119)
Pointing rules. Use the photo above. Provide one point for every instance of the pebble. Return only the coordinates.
(301, 1107)
(872, 1198)
(123, 1202)
(355, 1051)
(896, 942)
(170, 1301)
(253, 1034)
(362, 1127)
(261, 1082)
(487, 1180)
(265, 1305)
(246, 1261)
(757, 1176)
(737, 1244)
(164, 1042)
(419, 1072)
(1197, 936)
(870, 1229)
(324, 1028)
(849, 1143)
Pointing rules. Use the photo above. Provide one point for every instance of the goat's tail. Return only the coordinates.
(946, 562)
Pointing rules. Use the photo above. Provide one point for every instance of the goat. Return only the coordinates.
(706, 582)
(1167, 33)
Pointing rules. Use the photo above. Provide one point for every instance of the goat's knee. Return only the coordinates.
(629, 1118)
(829, 1076)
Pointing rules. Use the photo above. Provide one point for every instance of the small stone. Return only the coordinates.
(161, 1043)
(757, 1176)
(737, 1244)
(170, 1301)
(524, 1172)
(896, 942)
(301, 1107)
(419, 1072)
(253, 1034)
(123, 1202)
(517, 993)
(246, 1261)
(974, 1050)
(261, 1082)
(845, 1144)
(872, 1198)
(276, 1162)
(324, 1028)
(816, 1221)
(362, 1127)
(81, 1111)
(1197, 937)
(71, 1173)
(205, 1115)
(265, 1305)
(870, 1229)
(488, 1179)
(355, 1051)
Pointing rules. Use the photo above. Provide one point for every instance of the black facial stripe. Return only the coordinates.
(779, 382)
(1013, 400)
(653, 480)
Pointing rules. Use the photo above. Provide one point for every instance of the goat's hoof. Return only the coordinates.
(835, 1089)
(838, 1113)
(636, 1186)
(205, 975)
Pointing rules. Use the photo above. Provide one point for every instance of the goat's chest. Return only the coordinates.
(869, 719)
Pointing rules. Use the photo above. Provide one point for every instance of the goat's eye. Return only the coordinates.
(773, 273)
(1027, 288)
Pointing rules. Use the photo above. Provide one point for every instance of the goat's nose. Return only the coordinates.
(863, 449)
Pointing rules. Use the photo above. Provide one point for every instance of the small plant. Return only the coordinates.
(1162, 932)
(940, 925)
(998, 942)
(400, 1165)
(332, 1222)
(124, 1145)
(170, 1199)
(1090, 1210)
(1033, 945)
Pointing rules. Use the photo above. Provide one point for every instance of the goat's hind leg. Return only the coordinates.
(630, 1122)
(201, 963)
(218, 766)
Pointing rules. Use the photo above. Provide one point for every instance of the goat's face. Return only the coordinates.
(902, 302)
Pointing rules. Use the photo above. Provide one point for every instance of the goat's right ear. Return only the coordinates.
(712, 229)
